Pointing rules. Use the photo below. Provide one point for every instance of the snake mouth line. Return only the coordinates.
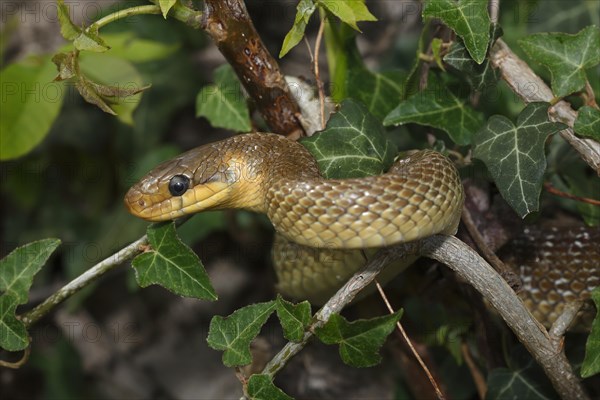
(198, 198)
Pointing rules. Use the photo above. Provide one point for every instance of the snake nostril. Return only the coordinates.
(142, 203)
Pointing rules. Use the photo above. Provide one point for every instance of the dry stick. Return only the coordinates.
(478, 378)
(470, 267)
(436, 387)
(551, 189)
(316, 70)
(530, 87)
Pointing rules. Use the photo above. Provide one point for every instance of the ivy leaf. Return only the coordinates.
(234, 333)
(566, 56)
(439, 107)
(359, 340)
(294, 318)
(223, 103)
(261, 387)
(30, 103)
(468, 18)
(588, 123)
(13, 333)
(591, 362)
(165, 6)
(172, 264)
(19, 267)
(505, 383)
(478, 76)
(353, 144)
(514, 155)
(378, 91)
(350, 12)
(68, 29)
(304, 11)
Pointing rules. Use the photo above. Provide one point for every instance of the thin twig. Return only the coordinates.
(494, 9)
(590, 97)
(436, 387)
(84, 279)
(316, 70)
(506, 272)
(551, 189)
(478, 378)
(565, 319)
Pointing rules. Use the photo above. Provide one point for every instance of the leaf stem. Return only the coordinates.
(121, 14)
(551, 189)
(84, 279)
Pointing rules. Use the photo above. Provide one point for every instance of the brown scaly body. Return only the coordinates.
(557, 266)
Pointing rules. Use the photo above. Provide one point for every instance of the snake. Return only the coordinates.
(324, 227)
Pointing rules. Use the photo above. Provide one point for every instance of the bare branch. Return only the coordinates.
(84, 279)
(479, 274)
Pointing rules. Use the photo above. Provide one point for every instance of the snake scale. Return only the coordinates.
(322, 223)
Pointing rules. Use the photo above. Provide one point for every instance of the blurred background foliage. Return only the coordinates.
(71, 185)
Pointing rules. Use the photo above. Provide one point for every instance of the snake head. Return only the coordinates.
(200, 179)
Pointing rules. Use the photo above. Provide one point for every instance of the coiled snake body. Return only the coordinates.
(421, 195)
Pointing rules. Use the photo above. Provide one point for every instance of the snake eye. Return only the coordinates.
(179, 184)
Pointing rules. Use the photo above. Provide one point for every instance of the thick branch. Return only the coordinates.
(530, 87)
(478, 273)
(230, 26)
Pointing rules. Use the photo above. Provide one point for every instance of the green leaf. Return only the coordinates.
(478, 76)
(439, 107)
(566, 56)
(19, 267)
(342, 53)
(523, 379)
(359, 340)
(379, 91)
(468, 18)
(172, 264)
(68, 29)
(350, 12)
(304, 11)
(353, 144)
(129, 46)
(13, 333)
(514, 155)
(90, 40)
(261, 387)
(591, 362)
(30, 103)
(223, 103)
(294, 318)
(588, 123)
(234, 333)
(165, 6)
